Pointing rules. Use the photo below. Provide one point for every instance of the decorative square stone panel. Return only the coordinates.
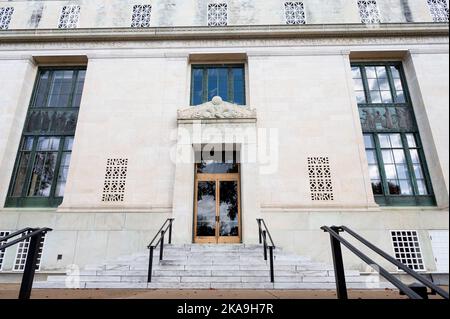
(5, 17)
(69, 17)
(368, 11)
(141, 16)
(438, 10)
(217, 14)
(295, 13)
(320, 182)
(115, 180)
(407, 249)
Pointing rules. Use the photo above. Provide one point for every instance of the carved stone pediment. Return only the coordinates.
(216, 109)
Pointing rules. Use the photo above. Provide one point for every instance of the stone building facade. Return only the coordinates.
(334, 112)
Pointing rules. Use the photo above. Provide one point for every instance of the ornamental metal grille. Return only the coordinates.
(438, 10)
(5, 17)
(368, 11)
(69, 17)
(115, 179)
(295, 13)
(141, 16)
(2, 252)
(407, 248)
(22, 253)
(217, 14)
(320, 181)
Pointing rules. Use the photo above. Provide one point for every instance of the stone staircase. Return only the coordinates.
(206, 267)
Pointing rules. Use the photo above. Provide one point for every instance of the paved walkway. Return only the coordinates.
(10, 291)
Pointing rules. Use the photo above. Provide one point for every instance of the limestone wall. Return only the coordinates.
(117, 13)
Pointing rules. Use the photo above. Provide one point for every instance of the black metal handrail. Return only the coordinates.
(341, 287)
(167, 226)
(35, 235)
(263, 234)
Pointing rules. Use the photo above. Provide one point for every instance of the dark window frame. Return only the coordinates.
(388, 199)
(25, 200)
(205, 92)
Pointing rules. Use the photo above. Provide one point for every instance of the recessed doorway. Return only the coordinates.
(217, 211)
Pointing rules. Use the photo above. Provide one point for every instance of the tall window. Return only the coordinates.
(226, 81)
(438, 10)
(368, 11)
(394, 151)
(43, 158)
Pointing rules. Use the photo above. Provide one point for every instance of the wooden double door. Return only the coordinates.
(217, 212)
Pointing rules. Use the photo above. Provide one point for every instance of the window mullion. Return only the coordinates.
(72, 90)
(391, 84)
(192, 85)
(230, 84)
(57, 165)
(381, 165)
(412, 176)
(26, 184)
(205, 85)
(365, 84)
(423, 164)
(47, 91)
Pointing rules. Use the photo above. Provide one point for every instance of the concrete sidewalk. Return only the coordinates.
(10, 291)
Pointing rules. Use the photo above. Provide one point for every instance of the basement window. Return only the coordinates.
(22, 253)
(2, 252)
(407, 249)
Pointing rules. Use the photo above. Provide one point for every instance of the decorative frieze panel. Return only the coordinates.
(69, 17)
(217, 14)
(5, 17)
(295, 13)
(368, 11)
(320, 182)
(44, 121)
(438, 10)
(386, 119)
(141, 16)
(115, 180)
(216, 109)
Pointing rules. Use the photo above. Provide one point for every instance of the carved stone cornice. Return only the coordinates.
(229, 32)
(217, 109)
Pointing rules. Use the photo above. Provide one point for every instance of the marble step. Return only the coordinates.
(205, 285)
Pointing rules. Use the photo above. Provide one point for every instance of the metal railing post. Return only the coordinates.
(272, 272)
(30, 267)
(161, 248)
(265, 244)
(150, 265)
(338, 261)
(259, 230)
(170, 232)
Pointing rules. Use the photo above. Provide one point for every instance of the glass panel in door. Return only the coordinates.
(206, 209)
(228, 209)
